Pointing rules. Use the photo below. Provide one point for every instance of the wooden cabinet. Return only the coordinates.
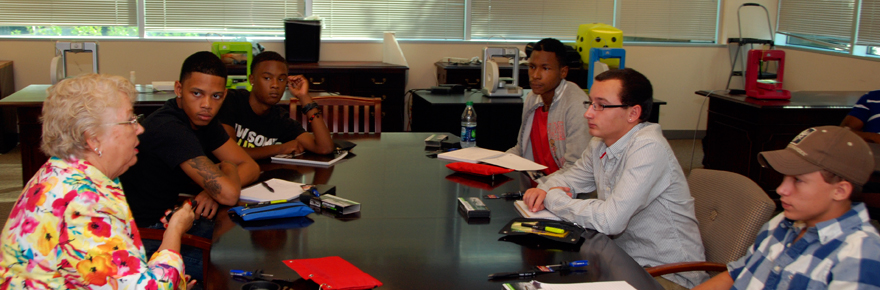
(357, 78)
(468, 75)
(8, 120)
(740, 127)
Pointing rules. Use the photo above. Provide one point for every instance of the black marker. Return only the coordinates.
(266, 185)
(191, 202)
(506, 275)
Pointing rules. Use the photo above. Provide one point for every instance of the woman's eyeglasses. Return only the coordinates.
(133, 121)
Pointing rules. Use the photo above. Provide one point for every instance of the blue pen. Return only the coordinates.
(242, 273)
(311, 189)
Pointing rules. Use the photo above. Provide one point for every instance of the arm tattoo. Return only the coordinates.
(209, 172)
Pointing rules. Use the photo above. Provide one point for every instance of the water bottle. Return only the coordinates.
(469, 126)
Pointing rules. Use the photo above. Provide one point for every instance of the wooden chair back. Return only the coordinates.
(345, 114)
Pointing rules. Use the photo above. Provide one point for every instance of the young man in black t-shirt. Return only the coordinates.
(254, 122)
(174, 150)
(177, 140)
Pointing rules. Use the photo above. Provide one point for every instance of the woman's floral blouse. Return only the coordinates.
(72, 228)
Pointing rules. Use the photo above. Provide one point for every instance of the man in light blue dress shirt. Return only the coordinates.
(643, 203)
(822, 240)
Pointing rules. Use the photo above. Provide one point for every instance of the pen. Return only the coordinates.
(192, 203)
(552, 230)
(562, 266)
(503, 275)
(512, 195)
(242, 273)
(266, 185)
(311, 189)
(265, 202)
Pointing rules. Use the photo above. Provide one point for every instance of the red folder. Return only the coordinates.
(333, 273)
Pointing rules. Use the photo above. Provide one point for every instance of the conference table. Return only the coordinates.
(409, 234)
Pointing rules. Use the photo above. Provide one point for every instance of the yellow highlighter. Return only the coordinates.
(554, 230)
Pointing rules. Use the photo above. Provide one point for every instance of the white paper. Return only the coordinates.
(608, 285)
(283, 190)
(494, 157)
(391, 52)
(526, 213)
(514, 162)
(470, 155)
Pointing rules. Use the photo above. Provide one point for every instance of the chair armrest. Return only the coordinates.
(685, 267)
(187, 239)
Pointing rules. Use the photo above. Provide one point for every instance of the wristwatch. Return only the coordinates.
(308, 107)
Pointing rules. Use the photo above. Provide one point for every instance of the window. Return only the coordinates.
(869, 23)
(668, 20)
(829, 25)
(49, 18)
(529, 19)
(512, 20)
(199, 18)
(425, 19)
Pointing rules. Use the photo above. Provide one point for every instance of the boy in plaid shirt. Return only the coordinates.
(822, 240)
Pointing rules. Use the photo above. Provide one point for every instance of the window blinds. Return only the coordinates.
(68, 12)
(829, 18)
(669, 19)
(529, 19)
(209, 16)
(426, 19)
(869, 23)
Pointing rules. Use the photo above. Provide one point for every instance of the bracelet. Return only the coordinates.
(318, 113)
(308, 107)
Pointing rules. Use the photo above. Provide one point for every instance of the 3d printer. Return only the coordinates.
(493, 85)
(761, 84)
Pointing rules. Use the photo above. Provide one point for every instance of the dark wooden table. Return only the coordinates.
(498, 119)
(740, 127)
(409, 234)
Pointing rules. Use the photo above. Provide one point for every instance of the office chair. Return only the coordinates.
(731, 209)
(351, 110)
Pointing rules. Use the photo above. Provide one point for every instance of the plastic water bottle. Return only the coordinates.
(469, 126)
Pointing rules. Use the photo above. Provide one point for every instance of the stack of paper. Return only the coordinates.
(607, 285)
(280, 190)
(498, 158)
(310, 159)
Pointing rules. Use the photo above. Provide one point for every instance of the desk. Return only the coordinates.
(28, 103)
(498, 119)
(739, 127)
(409, 234)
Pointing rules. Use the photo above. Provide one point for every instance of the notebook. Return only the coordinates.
(311, 159)
(534, 285)
(281, 190)
(526, 213)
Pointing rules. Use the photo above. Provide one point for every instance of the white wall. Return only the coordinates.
(675, 71)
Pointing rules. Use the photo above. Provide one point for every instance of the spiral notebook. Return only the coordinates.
(310, 159)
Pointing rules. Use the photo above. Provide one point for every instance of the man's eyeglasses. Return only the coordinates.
(133, 121)
(601, 107)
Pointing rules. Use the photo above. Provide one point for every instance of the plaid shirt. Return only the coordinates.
(843, 253)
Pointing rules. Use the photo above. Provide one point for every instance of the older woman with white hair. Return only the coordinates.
(72, 227)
